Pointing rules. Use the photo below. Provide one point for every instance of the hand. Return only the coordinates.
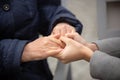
(40, 48)
(63, 28)
(75, 36)
(73, 51)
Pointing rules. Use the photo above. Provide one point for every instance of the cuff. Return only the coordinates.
(13, 59)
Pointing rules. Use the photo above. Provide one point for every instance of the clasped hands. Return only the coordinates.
(64, 43)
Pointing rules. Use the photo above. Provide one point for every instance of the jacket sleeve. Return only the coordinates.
(55, 14)
(110, 46)
(104, 66)
(10, 55)
(105, 63)
(63, 15)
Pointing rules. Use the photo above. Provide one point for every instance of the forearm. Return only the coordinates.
(104, 66)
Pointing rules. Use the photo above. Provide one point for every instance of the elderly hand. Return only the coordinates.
(73, 51)
(41, 48)
(63, 28)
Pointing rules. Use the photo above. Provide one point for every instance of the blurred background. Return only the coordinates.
(95, 15)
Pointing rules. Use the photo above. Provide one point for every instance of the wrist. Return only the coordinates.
(88, 54)
(92, 46)
(25, 56)
(28, 53)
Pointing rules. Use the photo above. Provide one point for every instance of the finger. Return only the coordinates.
(57, 42)
(57, 36)
(73, 30)
(56, 31)
(70, 35)
(54, 52)
(65, 40)
(70, 29)
(56, 56)
(63, 31)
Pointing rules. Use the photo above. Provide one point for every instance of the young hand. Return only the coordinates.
(73, 51)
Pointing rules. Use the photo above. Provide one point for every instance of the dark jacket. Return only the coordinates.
(21, 21)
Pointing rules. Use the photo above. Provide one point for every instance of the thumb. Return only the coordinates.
(65, 40)
(57, 36)
(72, 35)
(69, 35)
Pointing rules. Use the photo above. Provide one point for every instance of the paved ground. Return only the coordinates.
(85, 11)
